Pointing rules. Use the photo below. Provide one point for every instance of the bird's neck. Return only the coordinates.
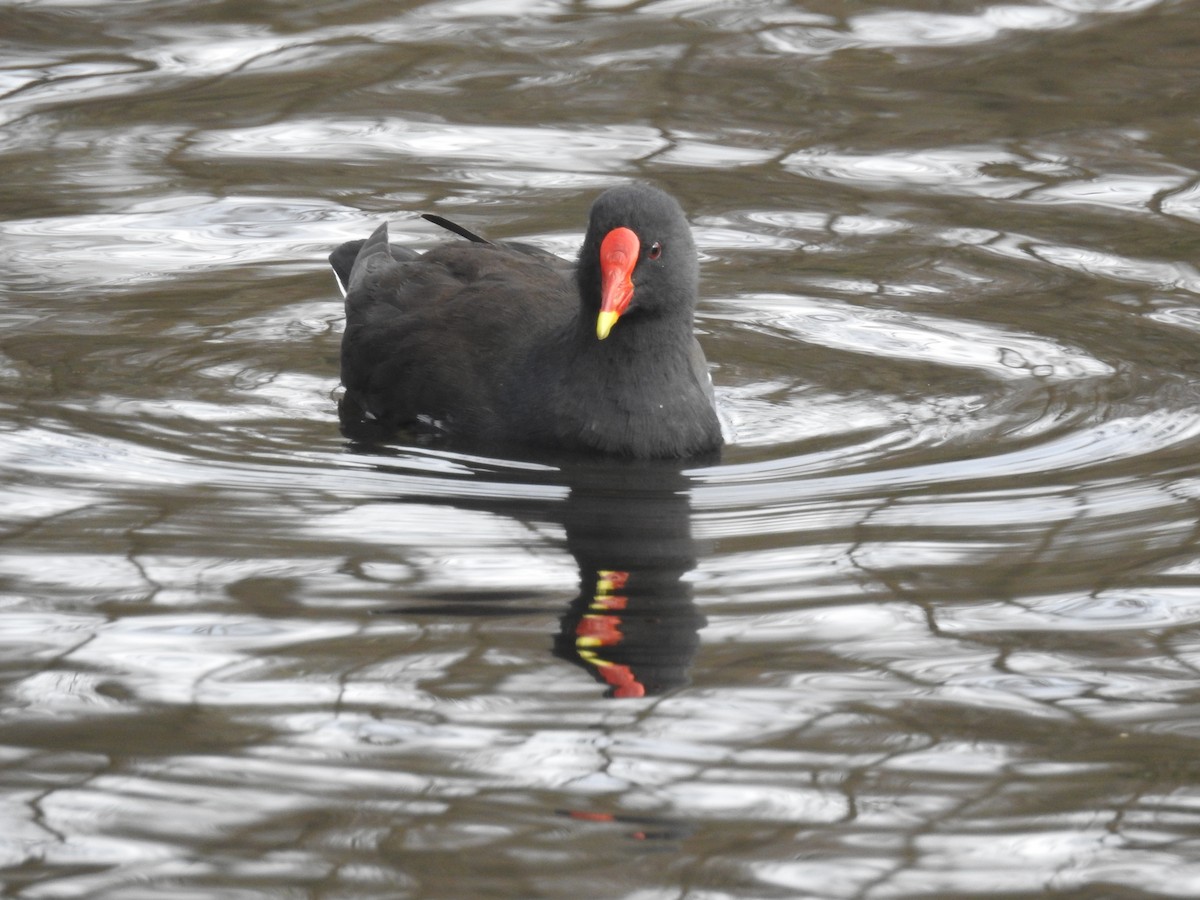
(635, 393)
(636, 336)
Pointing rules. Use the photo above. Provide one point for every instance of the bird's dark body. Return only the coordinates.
(497, 344)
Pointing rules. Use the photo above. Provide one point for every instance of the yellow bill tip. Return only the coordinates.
(604, 323)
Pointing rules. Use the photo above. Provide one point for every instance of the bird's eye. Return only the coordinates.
(655, 251)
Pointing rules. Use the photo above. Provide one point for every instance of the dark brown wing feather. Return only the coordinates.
(445, 335)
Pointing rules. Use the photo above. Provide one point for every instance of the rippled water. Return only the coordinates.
(931, 627)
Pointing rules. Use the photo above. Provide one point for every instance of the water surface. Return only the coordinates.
(930, 628)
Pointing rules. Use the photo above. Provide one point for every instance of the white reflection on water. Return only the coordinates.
(897, 29)
(594, 149)
(161, 239)
(941, 169)
(913, 336)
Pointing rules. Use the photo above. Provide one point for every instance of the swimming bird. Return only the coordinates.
(505, 345)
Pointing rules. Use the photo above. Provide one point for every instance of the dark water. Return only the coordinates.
(930, 629)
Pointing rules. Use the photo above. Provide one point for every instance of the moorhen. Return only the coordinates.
(497, 344)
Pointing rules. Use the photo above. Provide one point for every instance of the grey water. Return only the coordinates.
(931, 626)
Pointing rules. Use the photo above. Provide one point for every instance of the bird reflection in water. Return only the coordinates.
(633, 625)
(598, 633)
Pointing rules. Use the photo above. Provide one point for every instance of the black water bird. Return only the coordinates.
(500, 345)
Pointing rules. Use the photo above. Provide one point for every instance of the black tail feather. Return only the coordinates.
(455, 227)
(342, 261)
